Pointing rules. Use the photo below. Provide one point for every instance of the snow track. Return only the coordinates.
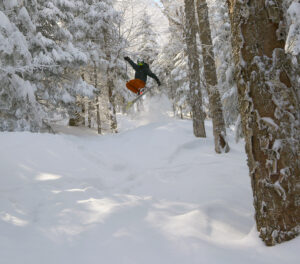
(151, 194)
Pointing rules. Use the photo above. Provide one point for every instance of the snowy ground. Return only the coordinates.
(151, 194)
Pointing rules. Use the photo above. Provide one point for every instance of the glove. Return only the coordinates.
(126, 58)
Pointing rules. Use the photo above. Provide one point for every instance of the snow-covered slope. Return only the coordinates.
(151, 194)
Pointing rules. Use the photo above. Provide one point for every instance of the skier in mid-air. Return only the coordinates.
(142, 70)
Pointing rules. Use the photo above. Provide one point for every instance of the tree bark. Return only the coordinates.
(99, 129)
(215, 105)
(194, 73)
(110, 83)
(270, 116)
(112, 107)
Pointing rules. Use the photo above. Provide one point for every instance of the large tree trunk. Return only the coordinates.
(270, 116)
(194, 74)
(215, 105)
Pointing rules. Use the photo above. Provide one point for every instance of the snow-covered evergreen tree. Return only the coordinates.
(172, 60)
(95, 30)
(148, 48)
(52, 62)
(53, 48)
(19, 109)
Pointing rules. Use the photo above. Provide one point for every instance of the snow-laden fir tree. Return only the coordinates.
(53, 69)
(96, 31)
(18, 106)
(57, 59)
(19, 109)
(87, 33)
(148, 48)
(173, 61)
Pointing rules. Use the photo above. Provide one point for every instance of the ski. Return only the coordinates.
(129, 104)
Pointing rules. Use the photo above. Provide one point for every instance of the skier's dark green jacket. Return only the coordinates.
(141, 72)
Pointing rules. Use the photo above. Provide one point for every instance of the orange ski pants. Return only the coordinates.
(135, 85)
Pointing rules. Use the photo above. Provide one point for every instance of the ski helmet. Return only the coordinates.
(140, 62)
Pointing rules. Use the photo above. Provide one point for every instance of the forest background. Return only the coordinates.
(62, 62)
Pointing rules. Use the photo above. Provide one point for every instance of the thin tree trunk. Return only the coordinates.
(98, 115)
(173, 93)
(215, 105)
(110, 85)
(97, 100)
(181, 113)
(194, 73)
(90, 114)
(270, 116)
(112, 108)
